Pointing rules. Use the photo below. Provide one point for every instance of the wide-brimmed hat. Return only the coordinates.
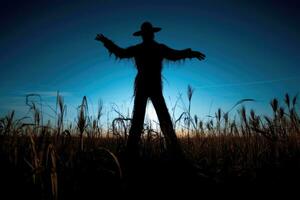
(146, 27)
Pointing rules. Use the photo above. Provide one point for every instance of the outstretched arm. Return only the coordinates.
(174, 55)
(115, 49)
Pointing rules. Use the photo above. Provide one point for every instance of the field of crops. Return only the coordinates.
(85, 160)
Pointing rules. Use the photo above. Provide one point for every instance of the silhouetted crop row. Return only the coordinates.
(54, 161)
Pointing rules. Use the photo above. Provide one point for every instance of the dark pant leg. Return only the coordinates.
(140, 103)
(166, 124)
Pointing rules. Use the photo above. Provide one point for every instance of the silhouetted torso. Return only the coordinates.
(148, 59)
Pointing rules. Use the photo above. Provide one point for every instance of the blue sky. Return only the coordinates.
(252, 50)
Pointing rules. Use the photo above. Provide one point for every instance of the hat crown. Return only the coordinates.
(146, 26)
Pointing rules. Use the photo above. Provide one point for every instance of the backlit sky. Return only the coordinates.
(252, 50)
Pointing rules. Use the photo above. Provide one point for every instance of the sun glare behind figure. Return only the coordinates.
(150, 113)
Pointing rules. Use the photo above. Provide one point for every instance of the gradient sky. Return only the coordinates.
(252, 50)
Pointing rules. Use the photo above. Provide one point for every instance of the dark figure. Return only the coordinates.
(148, 57)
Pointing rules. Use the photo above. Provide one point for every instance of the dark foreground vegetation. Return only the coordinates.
(249, 153)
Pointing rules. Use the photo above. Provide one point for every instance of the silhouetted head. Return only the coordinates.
(147, 31)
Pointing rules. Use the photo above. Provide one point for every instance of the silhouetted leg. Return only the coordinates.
(137, 123)
(166, 124)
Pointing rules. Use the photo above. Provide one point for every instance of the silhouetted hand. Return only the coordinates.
(199, 55)
(101, 38)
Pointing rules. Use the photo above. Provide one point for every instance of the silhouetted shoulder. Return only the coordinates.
(136, 47)
(164, 48)
(173, 54)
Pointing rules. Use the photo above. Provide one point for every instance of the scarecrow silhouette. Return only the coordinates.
(148, 57)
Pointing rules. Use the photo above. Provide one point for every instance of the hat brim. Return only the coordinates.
(154, 30)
